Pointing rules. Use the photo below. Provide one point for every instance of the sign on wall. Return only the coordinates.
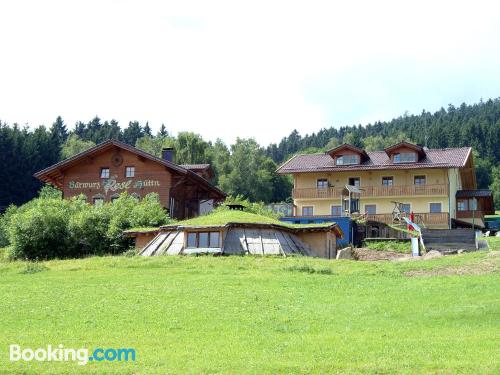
(112, 185)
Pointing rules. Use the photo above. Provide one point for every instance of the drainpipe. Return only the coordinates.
(449, 199)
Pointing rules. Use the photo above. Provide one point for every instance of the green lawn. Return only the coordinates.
(396, 246)
(233, 315)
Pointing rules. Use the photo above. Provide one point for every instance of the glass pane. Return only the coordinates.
(191, 240)
(371, 209)
(203, 239)
(435, 207)
(322, 184)
(406, 207)
(419, 180)
(336, 211)
(307, 211)
(354, 181)
(387, 181)
(214, 239)
(472, 204)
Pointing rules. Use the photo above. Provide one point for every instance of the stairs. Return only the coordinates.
(449, 240)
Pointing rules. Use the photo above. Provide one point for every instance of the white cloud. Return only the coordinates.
(228, 69)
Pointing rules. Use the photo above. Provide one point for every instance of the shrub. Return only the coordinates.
(41, 231)
(46, 228)
(4, 223)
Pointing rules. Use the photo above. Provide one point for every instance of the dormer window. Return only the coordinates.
(405, 157)
(347, 159)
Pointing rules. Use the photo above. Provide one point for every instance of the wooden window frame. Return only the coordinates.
(209, 239)
(322, 180)
(312, 210)
(387, 177)
(419, 176)
(104, 169)
(127, 168)
(371, 205)
(341, 157)
(340, 209)
(440, 207)
(357, 177)
(400, 161)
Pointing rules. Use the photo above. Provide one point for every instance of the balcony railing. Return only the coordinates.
(372, 191)
(425, 218)
(468, 214)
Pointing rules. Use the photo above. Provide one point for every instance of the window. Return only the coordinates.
(307, 211)
(98, 201)
(191, 242)
(405, 157)
(434, 208)
(136, 196)
(462, 205)
(387, 181)
(214, 239)
(419, 180)
(370, 209)
(104, 172)
(347, 159)
(336, 210)
(354, 181)
(322, 183)
(129, 171)
(203, 239)
(406, 207)
(472, 204)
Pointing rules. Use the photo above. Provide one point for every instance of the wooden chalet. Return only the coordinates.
(112, 167)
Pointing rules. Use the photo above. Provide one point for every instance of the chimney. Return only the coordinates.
(167, 153)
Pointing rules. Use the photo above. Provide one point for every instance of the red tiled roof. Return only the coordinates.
(434, 158)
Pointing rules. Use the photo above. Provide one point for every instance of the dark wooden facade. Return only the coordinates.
(182, 191)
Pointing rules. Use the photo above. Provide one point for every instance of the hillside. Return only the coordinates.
(254, 315)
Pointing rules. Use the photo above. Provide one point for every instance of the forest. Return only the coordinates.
(245, 167)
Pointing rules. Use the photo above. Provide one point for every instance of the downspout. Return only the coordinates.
(449, 199)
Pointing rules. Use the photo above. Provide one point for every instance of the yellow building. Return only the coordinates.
(437, 185)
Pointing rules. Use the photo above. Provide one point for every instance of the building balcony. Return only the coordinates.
(470, 214)
(426, 218)
(423, 219)
(372, 191)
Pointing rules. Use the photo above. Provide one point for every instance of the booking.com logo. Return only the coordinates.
(61, 354)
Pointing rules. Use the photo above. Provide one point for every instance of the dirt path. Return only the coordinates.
(368, 254)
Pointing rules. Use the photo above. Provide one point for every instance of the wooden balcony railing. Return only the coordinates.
(372, 191)
(426, 218)
(468, 214)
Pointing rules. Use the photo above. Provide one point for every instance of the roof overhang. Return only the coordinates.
(403, 144)
(338, 150)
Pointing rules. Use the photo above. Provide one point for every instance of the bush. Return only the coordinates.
(46, 228)
(4, 223)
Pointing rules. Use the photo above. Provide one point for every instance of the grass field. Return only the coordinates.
(257, 315)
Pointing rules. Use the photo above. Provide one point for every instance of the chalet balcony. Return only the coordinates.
(427, 218)
(469, 214)
(372, 191)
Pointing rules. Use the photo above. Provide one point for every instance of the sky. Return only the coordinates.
(227, 69)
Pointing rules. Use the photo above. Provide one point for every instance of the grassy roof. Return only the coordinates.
(222, 217)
